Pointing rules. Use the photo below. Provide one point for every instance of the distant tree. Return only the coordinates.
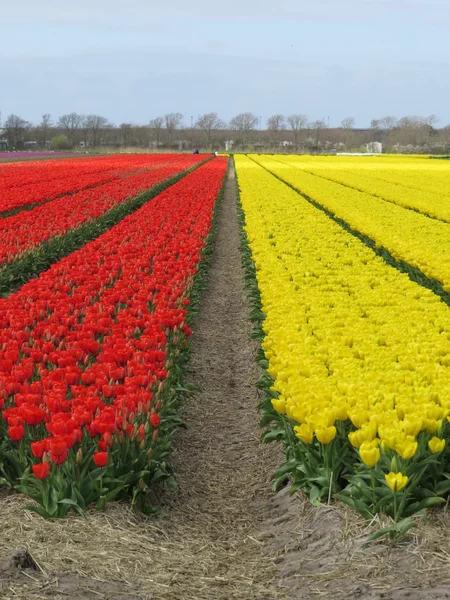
(60, 142)
(208, 123)
(126, 131)
(276, 123)
(70, 123)
(156, 126)
(318, 126)
(387, 123)
(94, 124)
(296, 124)
(46, 123)
(173, 121)
(244, 123)
(348, 123)
(15, 128)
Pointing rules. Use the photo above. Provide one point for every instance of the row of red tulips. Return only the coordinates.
(24, 231)
(68, 176)
(21, 174)
(90, 355)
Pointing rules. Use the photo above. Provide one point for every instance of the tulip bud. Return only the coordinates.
(149, 453)
(155, 435)
(79, 457)
(394, 467)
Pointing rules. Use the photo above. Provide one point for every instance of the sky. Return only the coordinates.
(134, 60)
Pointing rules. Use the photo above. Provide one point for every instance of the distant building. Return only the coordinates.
(374, 147)
(30, 145)
(229, 145)
(286, 144)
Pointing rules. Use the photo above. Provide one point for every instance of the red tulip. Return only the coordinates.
(16, 433)
(38, 448)
(41, 470)
(155, 420)
(101, 459)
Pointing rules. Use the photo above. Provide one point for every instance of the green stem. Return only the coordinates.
(372, 478)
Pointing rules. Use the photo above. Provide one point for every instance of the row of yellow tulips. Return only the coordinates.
(420, 184)
(358, 353)
(421, 242)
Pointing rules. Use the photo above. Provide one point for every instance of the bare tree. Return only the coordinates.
(15, 128)
(126, 134)
(208, 123)
(387, 123)
(296, 124)
(275, 124)
(244, 123)
(156, 126)
(93, 125)
(348, 123)
(46, 123)
(173, 122)
(70, 123)
(318, 126)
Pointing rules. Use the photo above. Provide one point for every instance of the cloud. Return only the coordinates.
(141, 13)
(137, 86)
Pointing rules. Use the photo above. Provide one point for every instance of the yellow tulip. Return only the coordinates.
(406, 449)
(369, 454)
(412, 426)
(279, 405)
(436, 445)
(326, 435)
(396, 481)
(304, 433)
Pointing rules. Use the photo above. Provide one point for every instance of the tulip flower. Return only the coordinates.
(100, 459)
(41, 470)
(155, 420)
(326, 435)
(436, 445)
(304, 433)
(369, 454)
(396, 481)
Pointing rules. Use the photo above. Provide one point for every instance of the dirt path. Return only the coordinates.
(226, 535)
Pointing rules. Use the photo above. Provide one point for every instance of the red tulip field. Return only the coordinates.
(135, 393)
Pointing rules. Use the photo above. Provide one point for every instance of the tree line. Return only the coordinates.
(294, 132)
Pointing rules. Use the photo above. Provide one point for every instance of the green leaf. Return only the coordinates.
(405, 525)
(39, 510)
(362, 508)
(425, 503)
(314, 495)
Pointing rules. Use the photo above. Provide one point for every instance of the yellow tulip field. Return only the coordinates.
(357, 355)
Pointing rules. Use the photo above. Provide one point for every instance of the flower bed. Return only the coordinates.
(31, 241)
(91, 350)
(357, 358)
(33, 183)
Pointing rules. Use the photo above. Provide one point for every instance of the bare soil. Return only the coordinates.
(226, 534)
